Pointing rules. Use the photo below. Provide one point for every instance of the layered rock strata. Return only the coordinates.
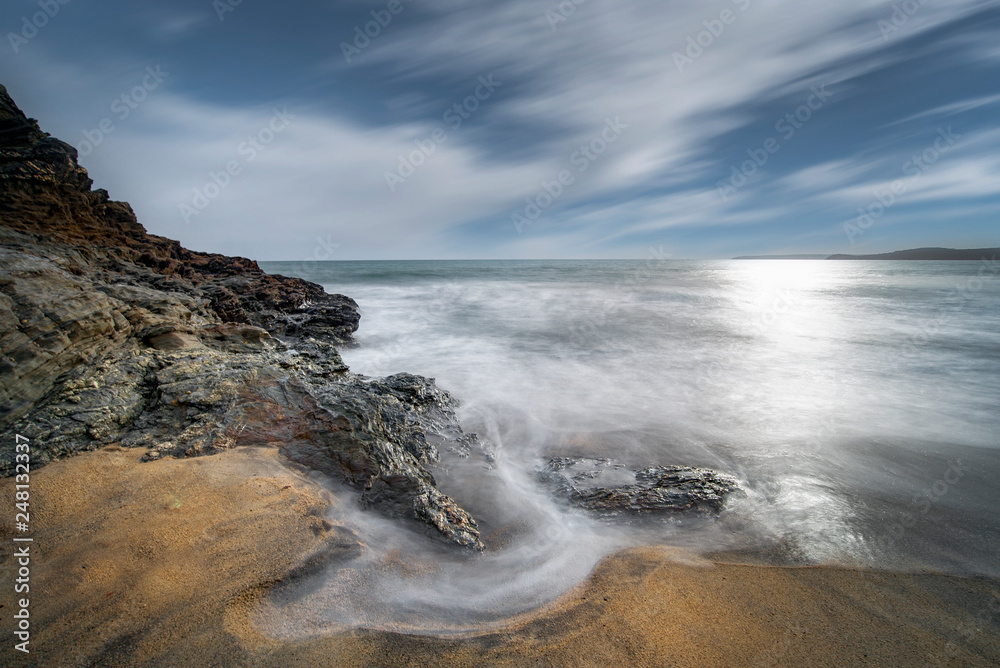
(110, 335)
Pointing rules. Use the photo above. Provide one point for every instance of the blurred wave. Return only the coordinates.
(856, 401)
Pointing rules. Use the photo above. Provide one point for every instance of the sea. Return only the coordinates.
(857, 402)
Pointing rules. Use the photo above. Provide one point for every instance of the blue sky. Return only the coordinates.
(586, 128)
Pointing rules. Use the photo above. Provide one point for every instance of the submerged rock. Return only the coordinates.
(610, 488)
(110, 335)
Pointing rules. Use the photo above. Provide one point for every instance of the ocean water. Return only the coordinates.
(857, 402)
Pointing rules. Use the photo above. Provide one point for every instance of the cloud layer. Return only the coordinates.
(742, 125)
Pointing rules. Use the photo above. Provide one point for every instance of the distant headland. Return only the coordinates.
(911, 254)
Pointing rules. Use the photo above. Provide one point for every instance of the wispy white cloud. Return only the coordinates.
(951, 108)
(324, 176)
(610, 59)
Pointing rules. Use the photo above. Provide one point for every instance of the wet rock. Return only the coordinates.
(110, 335)
(52, 322)
(609, 488)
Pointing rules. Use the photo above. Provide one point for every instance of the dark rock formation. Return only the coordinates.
(609, 488)
(112, 335)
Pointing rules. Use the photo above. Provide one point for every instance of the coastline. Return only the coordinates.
(168, 562)
(179, 405)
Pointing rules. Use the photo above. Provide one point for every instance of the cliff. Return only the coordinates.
(113, 336)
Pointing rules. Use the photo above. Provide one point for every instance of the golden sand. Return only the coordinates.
(164, 564)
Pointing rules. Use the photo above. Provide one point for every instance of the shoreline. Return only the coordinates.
(169, 562)
(182, 410)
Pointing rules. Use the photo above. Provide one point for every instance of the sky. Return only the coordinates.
(452, 129)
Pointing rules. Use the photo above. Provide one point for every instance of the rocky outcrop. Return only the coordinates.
(48, 210)
(609, 488)
(110, 335)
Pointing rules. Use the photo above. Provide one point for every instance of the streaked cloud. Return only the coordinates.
(657, 184)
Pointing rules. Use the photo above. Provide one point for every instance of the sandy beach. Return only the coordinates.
(165, 563)
(582, 334)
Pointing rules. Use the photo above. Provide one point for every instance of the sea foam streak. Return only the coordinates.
(856, 401)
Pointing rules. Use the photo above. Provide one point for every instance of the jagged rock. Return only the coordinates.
(53, 321)
(45, 197)
(610, 488)
(110, 335)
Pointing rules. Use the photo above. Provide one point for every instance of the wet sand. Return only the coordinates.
(165, 564)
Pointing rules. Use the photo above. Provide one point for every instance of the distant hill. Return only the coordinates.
(927, 254)
(911, 254)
